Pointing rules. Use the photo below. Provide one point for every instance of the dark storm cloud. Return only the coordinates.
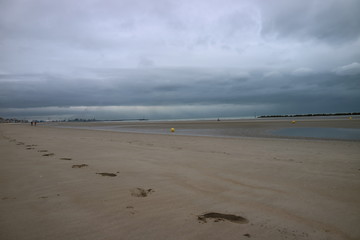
(117, 87)
(152, 88)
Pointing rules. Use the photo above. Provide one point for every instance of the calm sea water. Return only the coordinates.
(301, 132)
(327, 133)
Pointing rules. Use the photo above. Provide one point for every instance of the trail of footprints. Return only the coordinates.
(135, 192)
(46, 153)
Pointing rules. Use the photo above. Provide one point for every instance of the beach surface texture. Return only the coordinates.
(68, 183)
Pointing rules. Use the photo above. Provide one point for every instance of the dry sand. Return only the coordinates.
(84, 184)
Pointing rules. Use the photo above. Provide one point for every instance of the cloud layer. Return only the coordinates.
(222, 92)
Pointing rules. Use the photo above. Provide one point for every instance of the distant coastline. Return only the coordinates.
(15, 120)
(311, 115)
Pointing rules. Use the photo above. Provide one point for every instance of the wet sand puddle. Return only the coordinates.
(222, 217)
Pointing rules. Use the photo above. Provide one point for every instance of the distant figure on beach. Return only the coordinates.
(35, 123)
(32, 123)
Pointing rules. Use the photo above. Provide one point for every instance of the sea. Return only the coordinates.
(209, 129)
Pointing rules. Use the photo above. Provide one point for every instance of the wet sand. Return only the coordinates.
(59, 183)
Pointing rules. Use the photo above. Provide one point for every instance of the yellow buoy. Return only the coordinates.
(172, 129)
(293, 122)
(350, 118)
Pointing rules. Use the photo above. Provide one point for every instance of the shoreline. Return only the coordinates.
(164, 186)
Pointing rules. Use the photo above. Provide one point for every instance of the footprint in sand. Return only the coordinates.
(222, 217)
(8, 198)
(140, 192)
(107, 174)
(42, 150)
(132, 209)
(64, 158)
(79, 166)
(48, 154)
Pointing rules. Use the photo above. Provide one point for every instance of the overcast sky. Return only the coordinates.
(114, 59)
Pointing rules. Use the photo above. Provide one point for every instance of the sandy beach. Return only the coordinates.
(68, 183)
